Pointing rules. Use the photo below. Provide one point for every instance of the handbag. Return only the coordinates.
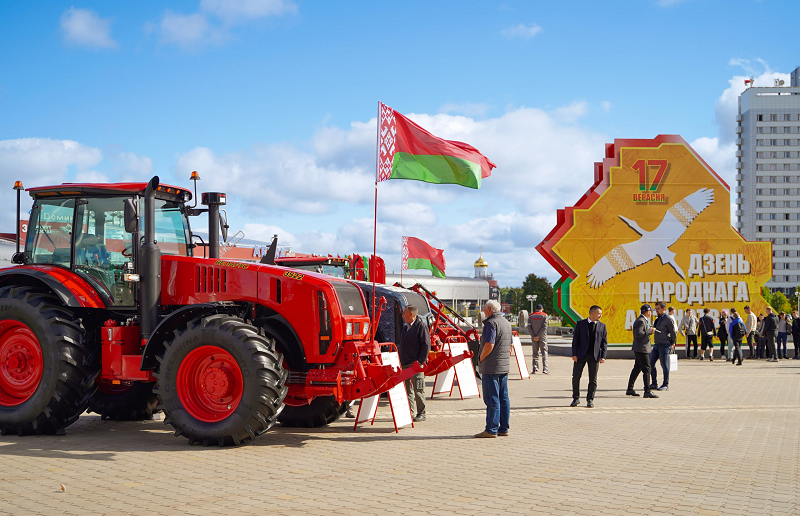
(673, 362)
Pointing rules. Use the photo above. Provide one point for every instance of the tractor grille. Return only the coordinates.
(210, 280)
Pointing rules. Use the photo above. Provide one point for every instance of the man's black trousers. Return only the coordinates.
(577, 372)
(641, 364)
(691, 339)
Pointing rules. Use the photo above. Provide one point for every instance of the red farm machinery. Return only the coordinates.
(109, 308)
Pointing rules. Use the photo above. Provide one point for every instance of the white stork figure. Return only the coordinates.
(652, 243)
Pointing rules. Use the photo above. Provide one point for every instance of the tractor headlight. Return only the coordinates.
(366, 328)
(349, 329)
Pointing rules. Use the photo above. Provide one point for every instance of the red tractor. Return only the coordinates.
(110, 309)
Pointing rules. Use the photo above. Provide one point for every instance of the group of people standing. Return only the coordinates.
(766, 335)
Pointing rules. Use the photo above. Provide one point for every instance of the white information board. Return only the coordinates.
(462, 373)
(516, 351)
(398, 400)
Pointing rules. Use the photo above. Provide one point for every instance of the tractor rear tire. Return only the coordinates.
(220, 381)
(137, 403)
(47, 373)
(323, 410)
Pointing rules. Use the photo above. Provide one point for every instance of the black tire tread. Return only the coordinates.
(323, 410)
(78, 367)
(271, 379)
(137, 404)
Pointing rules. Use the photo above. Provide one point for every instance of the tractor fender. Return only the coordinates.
(287, 341)
(174, 321)
(71, 289)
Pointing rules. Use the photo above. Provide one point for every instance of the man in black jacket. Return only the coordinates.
(796, 334)
(589, 345)
(706, 325)
(665, 339)
(770, 331)
(415, 344)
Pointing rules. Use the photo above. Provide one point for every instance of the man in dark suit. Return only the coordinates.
(589, 346)
(706, 325)
(415, 344)
(641, 352)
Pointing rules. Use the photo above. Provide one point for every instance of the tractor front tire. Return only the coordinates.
(47, 373)
(135, 403)
(220, 381)
(323, 410)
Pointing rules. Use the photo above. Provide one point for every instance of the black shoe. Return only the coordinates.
(663, 388)
(631, 393)
(575, 403)
(589, 403)
(650, 395)
(739, 363)
(654, 386)
(419, 417)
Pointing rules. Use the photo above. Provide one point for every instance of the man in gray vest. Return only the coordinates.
(494, 364)
(641, 352)
(537, 329)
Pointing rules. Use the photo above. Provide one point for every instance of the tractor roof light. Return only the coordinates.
(18, 185)
(195, 176)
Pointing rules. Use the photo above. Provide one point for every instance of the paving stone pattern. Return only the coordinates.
(723, 440)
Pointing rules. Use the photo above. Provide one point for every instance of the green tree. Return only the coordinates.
(780, 303)
(542, 288)
(767, 295)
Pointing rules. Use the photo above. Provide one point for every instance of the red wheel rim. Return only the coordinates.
(21, 363)
(210, 384)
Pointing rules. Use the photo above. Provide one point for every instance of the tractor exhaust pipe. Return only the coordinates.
(214, 200)
(150, 257)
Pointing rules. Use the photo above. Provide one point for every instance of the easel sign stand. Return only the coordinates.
(516, 352)
(462, 372)
(398, 401)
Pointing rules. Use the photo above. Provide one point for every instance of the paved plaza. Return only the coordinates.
(723, 440)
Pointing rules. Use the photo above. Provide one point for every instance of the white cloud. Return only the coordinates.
(82, 27)
(41, 162)
(237, 10)
(130, 165)
(213, 23)
(467, 109)
(606, 106)
(521, 31)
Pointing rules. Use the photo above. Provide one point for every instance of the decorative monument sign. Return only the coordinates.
(655, 226)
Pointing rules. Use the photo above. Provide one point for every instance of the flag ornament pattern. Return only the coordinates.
(407, 151)
(417, 254)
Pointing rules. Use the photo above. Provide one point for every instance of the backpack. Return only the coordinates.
(738, 331)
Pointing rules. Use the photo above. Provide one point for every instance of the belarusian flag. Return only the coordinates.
(419, 255)
(407, 151)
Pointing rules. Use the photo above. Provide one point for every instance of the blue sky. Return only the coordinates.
(274, 101)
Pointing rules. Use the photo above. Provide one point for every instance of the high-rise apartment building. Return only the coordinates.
(768, 176)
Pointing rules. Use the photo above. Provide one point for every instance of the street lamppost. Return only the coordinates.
(531, 298)
(797, 294)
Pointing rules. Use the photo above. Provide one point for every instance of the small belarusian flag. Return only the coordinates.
(419, 255)
(407, 151)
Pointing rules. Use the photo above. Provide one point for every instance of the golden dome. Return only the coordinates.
(480, 262)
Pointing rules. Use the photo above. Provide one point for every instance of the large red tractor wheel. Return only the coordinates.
(134, 402)
(323, 410)
(46, 371)
(220, 382)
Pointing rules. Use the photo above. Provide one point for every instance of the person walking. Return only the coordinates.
(664, 339)
(722, 334)
(494, 364)
(641, 350)
(796, 334)
(737, 332)
(784, 328)
(415, 344)
(770, 332)
(589, 346)
(688, 327)
(706, 325)
(750, 326)
(537, 329)
(761, 339)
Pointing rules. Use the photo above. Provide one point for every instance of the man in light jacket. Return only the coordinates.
(750, 325)
(537, 329)
(688, 327)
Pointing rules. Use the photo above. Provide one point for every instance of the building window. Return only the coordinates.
(773, 118)
(786, 142)
(786, 118)
(760, 118)
(759, 143)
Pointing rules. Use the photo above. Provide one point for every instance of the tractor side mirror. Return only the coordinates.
(223, 224)
(131, 216)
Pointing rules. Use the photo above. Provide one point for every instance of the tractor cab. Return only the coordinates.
(82, 228)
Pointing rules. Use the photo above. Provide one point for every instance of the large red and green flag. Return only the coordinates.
(407, 151)
(417, 254)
